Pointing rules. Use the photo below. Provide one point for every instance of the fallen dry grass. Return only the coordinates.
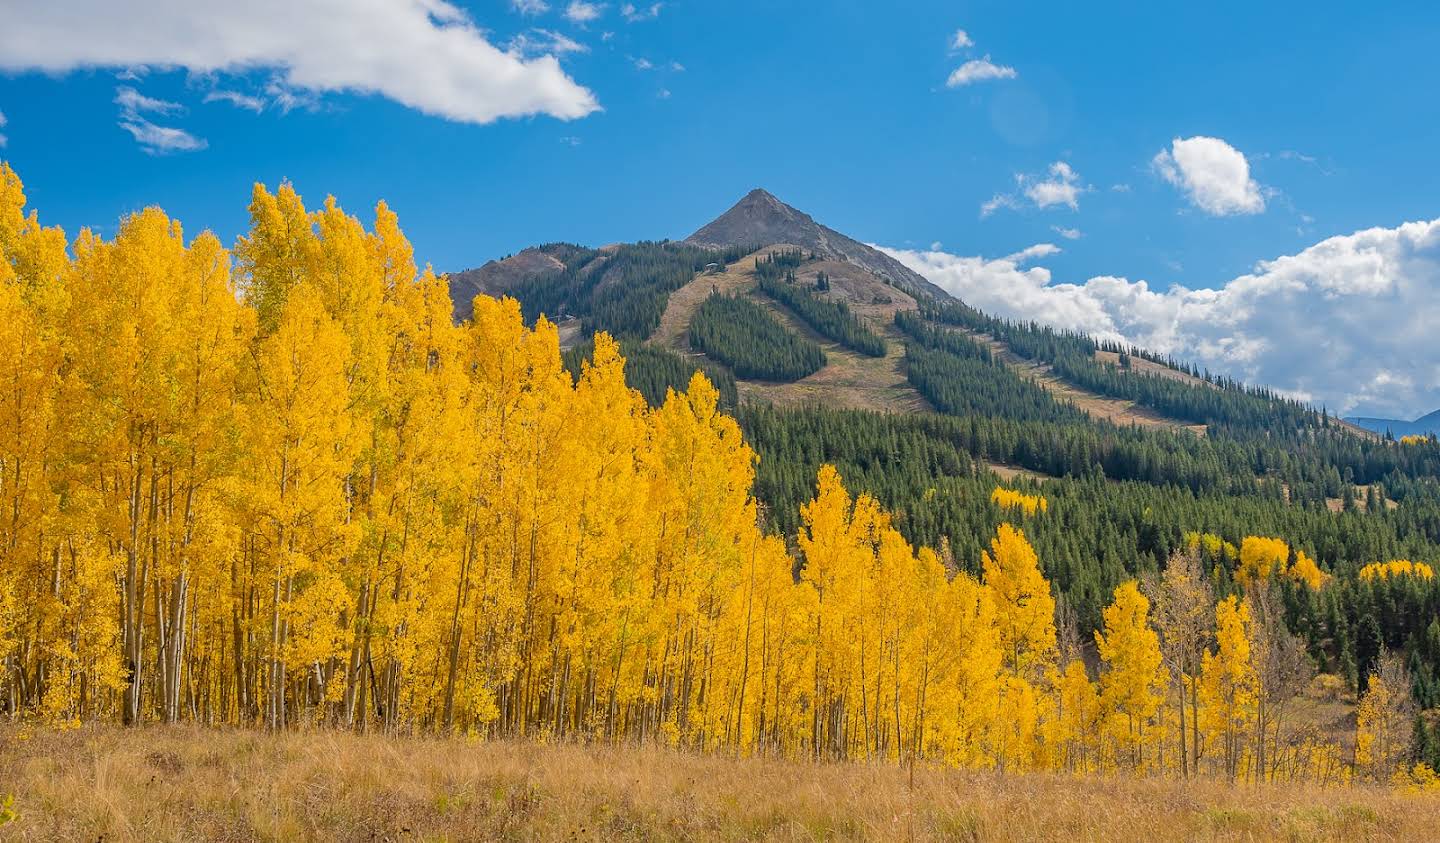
(184, 783)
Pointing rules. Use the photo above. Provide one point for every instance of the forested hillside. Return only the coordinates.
(740, 334)
(1131, 496)
(280, 486)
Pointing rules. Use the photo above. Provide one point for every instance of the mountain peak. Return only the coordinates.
(762, 197)
(761, 219)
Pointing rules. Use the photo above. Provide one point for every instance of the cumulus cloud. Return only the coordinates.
(979, 70)
(1067, 233)
(530, 7)
(960, 40)
(580, 11)
(1213, 174)
(1347, 322)
(424, 54)
(1060, 185)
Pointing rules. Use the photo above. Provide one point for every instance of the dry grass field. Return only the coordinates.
(183, 783)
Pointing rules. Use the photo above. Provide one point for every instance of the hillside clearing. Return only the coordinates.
(186, 783)
(848, 380)
(1116, 410)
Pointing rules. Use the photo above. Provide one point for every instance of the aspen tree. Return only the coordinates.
(1184, 609)
(1132, 687)
(298, 454)
(1382, 720)
(1228, 684)
(1023, 603)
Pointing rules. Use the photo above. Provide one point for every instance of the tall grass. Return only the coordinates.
(186, 783)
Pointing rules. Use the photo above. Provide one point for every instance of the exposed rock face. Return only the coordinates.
(497, 278)
(760, 219)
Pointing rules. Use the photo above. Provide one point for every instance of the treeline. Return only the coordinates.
(1216, 401)
(930, 472)
(622, 291)
(656, 371)
(959, 377)
(744, 336)
(828, 317)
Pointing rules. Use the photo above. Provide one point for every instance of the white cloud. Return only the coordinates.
(1213, 174)
(1029, 253)
(530, 7)
(1067, 233)
(663, 93)
(543, 42)
(237, 99)
(979, 70)
(998, 201)
(960, 40)
(1060, 185)
(1303, 323)
(154, 139)
(642, 64)
(580, 11)
(3, 140)
(161, 140)
(677, 67)
(424, 54)
(132, 101)
(632, 13)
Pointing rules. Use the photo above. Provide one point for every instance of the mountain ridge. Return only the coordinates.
(760, 218)
(1426, 424)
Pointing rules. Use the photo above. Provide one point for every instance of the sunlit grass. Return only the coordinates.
(188, 784)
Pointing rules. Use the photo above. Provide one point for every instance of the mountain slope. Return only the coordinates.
(499, 277)
(760, 219)
(1420, 427)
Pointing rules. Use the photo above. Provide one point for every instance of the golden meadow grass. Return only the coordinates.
(188, 783)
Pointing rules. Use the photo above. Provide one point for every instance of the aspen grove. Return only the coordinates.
(278, 485)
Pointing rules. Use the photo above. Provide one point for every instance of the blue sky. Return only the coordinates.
(648, 124)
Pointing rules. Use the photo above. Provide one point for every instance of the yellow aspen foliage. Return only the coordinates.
(1397, 568)
(280, 486)
(1012, 499)
(1383, 721)
(1213, 548)
(1229, 686)
(1132, 687)
(1419, 778)
(1416, 439)
(1261, 559)
(1306, 571)
(1024, 606)
(1077, 720)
